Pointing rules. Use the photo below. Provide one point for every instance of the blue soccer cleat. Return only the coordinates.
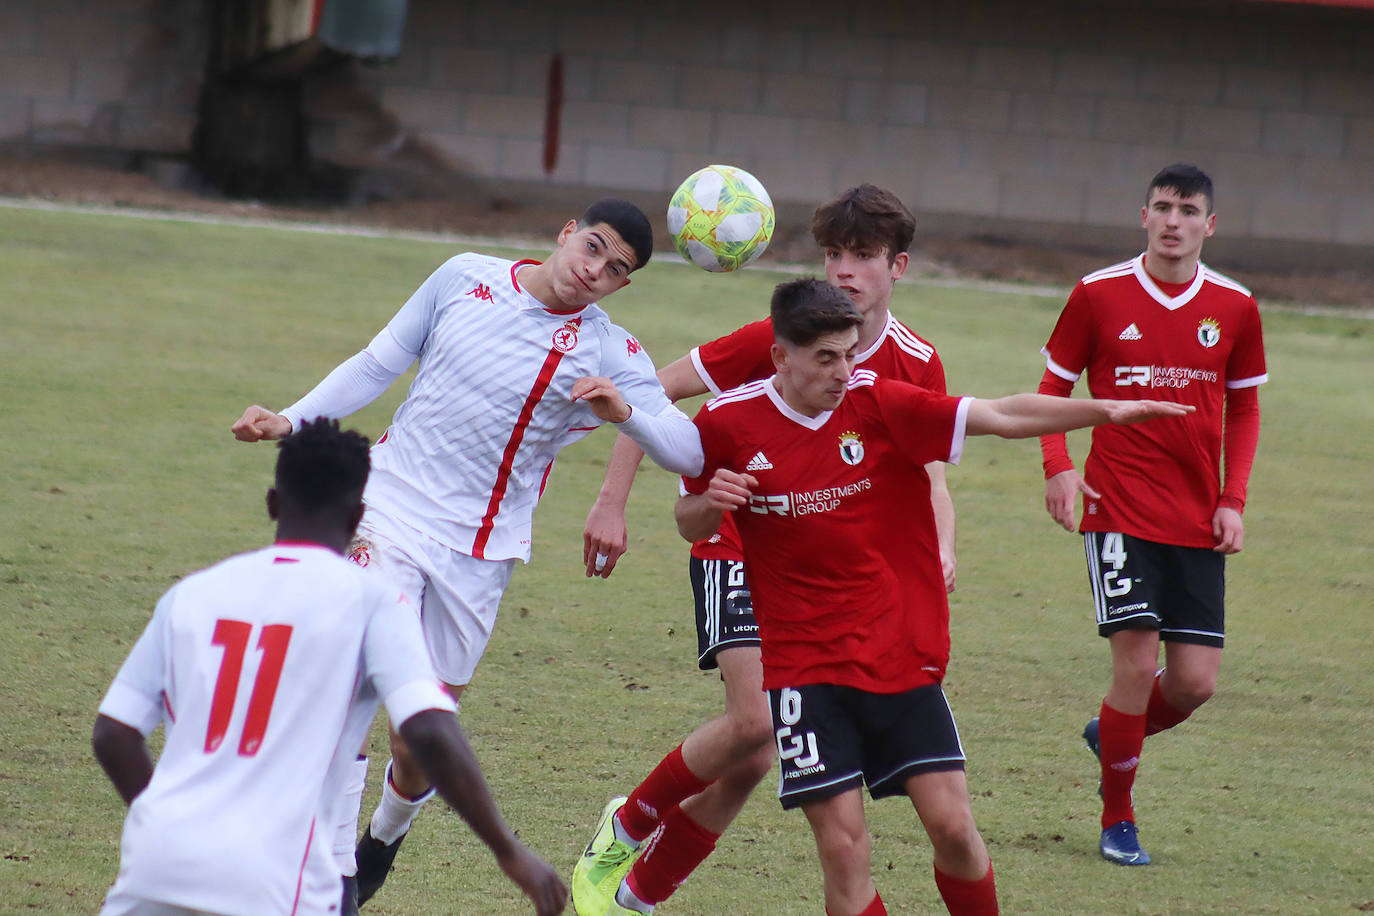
(1120, 845)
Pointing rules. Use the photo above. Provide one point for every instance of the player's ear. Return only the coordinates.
(566, 231)
(273, 504)
(1211, 225)
(779, 354)
(899, 265)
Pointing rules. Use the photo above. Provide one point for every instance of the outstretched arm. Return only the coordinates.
(670, 437)
(605, 537)
(441, 750)
(123, 755)
(1021, 416)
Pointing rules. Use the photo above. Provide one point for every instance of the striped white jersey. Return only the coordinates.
(266, 670)
(467, 453)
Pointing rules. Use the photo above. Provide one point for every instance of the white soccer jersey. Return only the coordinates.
(467, 453)
(266, 670)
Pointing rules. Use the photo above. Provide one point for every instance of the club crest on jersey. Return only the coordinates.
(851, 448)
(1209, 332)
(360, 551)
(565, 338)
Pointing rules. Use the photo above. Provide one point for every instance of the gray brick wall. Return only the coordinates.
(992, 112)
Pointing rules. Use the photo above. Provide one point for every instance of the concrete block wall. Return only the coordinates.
(120, 75)
(1012, 114)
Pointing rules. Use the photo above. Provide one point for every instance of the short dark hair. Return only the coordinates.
(803, 310)
(321, 468)
(865, 216)
(1185, 178)
(626, 219)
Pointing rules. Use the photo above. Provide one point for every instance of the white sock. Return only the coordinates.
(395, 813)
(621, 835)
(626, 898)
(346, 810)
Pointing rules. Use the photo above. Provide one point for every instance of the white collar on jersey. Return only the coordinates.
(811, 423)
(1148, 283)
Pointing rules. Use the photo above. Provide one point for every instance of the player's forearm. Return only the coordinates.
(1022, 416)
(620, 473)
(123, 755)
(354, 383)
(669, 438)
(1240, 440)
(697, 518)
(942, 505)
(1054, 448)
(437, 742)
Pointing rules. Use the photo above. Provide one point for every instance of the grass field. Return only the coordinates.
(127, 347)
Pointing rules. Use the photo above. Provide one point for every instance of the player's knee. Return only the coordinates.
(953, 834)
(750, 771)
(751, 728)
(1192, 692)
(843, 851)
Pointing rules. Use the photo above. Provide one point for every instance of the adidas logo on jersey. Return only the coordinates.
(759, 463)
(1131, 333)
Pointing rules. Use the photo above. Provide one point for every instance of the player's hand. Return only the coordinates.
(602, 397)
(948, 566)
(1228, 530)
(1126, 412)
(537, 879)
(727, 490)
(605, 538)
(260, 423)
(1061, 492)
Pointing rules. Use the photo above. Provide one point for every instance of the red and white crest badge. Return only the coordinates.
(565, 338)
(1209, 332)
(851, 448)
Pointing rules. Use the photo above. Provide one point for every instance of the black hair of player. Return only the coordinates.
(626, 219)
(321, 470)
(865, 217)
(1184, 178)
(806, 309)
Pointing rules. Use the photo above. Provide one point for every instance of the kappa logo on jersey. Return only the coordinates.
(1209, 332)
(633, 346)
(481, 291)
(759, 463)
(851, 448)
(565, 338)
(1131, 333)
(360, 551)
(1162, 376)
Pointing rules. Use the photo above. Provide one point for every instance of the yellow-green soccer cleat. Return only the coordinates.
(604, 863)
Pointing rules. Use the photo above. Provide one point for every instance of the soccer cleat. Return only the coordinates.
(374, 863)
(1090, 736)
(1120, 845)
(604, 863)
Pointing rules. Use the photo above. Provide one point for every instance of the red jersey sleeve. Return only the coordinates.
(1070, 345)
(738, 357)
(1246, 367)
(923, 424)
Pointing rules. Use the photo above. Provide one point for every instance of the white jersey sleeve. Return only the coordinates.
(136, 695)
(665, 433)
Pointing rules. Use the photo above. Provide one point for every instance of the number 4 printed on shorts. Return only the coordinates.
(234, 635)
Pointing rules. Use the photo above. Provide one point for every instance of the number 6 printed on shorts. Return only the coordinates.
(792, 746)
(234, 636)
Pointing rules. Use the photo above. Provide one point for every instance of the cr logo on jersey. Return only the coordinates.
(1209, 332)
(565, 338)
(851, 448)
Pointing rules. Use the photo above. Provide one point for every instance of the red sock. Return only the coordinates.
(874, 908)
(968, 898)
(661, 790)
(1160, 716)
(1121, 737)
(674, 851)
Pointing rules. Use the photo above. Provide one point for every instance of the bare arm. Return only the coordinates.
(1021, 416)
(123, 755)
(444, 754)
(942, 504)
(605, 537)
(698, 515)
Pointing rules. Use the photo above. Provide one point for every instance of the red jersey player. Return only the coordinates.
(1158, 516)
(266, 670)
(842, 552)
(692, 796)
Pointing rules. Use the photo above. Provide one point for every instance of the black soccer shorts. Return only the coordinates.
(1139, 584)
(725, 612)
(832, 739)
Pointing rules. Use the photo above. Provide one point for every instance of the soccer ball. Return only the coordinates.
(720, 218)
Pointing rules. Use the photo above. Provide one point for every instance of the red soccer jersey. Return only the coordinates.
(839, 537)
(1159, 480)
(743, 356)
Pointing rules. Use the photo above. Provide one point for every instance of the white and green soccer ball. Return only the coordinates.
(720, 218)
